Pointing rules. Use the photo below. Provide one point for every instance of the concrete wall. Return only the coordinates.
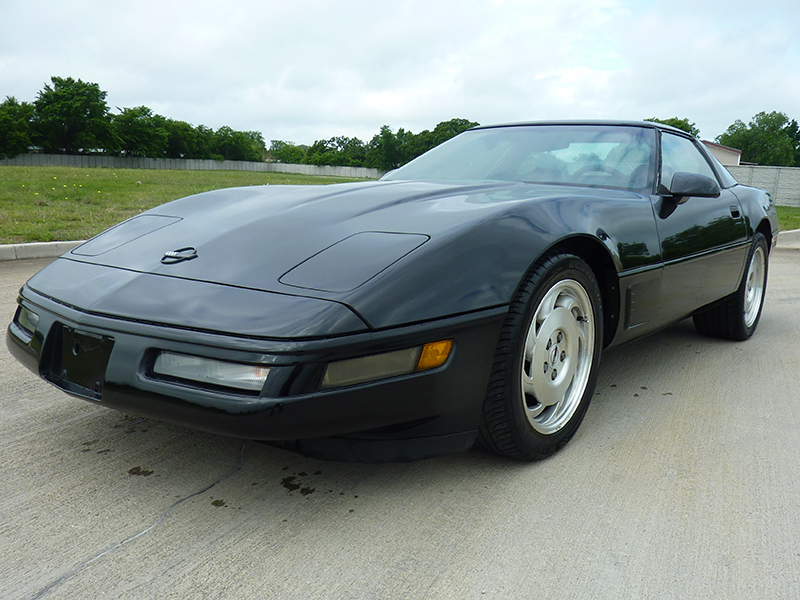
(782, 182)
(119, 162)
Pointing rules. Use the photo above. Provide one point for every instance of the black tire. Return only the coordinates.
(546, 363)
(736, 317)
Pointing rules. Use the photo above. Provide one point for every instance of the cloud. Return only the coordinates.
(314, 69)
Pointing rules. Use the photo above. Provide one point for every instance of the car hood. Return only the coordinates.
(293, 239)
(348, 243)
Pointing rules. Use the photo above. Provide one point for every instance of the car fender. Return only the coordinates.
(480, 265)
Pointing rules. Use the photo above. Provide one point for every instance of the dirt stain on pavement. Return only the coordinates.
(139, 471)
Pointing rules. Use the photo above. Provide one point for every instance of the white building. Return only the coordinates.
(727, 156)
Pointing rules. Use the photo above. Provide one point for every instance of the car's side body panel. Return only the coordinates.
(482, 265)
(704, 244)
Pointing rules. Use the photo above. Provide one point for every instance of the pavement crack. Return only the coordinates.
(84, 565)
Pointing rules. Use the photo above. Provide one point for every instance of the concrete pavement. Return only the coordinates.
(35, 250)
(681, 483)
(789, 239)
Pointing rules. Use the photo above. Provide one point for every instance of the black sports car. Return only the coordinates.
(465, 296)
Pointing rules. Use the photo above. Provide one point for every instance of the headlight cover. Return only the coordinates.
(209, 371)
(27, 320)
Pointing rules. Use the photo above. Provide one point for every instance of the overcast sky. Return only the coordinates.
(302, 70)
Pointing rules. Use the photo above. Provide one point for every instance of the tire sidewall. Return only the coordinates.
(563, 268)
(758, 241)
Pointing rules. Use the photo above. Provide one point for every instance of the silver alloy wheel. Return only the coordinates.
(557, 360)
(754, 286)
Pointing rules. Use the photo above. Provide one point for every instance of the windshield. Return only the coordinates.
(587, 155)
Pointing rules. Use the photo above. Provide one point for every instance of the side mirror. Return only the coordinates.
(684, 185)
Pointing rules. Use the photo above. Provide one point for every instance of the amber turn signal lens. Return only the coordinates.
(434, 355)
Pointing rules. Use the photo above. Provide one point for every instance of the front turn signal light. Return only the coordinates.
(375, 367)
(434, 355)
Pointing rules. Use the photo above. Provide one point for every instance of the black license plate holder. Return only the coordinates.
(79, 361)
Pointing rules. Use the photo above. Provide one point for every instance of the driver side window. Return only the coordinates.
(680, 154)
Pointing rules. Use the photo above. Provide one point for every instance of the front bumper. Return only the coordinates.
(117, 372)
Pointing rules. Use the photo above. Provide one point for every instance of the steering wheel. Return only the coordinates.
(599, 169)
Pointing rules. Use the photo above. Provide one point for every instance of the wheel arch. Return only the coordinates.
(765, 228)
(595, 254)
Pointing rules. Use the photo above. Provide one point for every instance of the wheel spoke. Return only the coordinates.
(754, 287)
(557, 356)
(546, 306)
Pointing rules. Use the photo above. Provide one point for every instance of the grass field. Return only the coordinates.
(44, 204)
(789, 217)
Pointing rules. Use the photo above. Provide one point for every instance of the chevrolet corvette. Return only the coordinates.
(465, 297)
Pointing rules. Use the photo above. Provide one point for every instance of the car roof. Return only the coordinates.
(604, 122)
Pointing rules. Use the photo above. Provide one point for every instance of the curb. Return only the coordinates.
(36, 250)
(788, 240)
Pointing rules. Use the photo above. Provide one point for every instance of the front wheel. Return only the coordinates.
(736, 317)
(546, 362)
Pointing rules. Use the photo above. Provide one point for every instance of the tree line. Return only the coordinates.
(768, 139)
(71, 116)
(385, 151)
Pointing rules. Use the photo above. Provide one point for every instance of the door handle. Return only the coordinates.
(734, 210)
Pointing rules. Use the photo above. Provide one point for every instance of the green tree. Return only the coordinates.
(321, 152)
(140, 132)
(678, 123)
(204, 143)
(257, 149)
(71, 115)
(353, 151)
(286, 152)
(225, 143)
(382, 151)
(15, 120)
(387, 151)
(447, 129)
(769, 139)
(409, 145)
(337, 151)
(239, 145)
(793, 129)
(181, 139)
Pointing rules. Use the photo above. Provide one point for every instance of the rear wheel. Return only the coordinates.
(546, 362)
(736, 317)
